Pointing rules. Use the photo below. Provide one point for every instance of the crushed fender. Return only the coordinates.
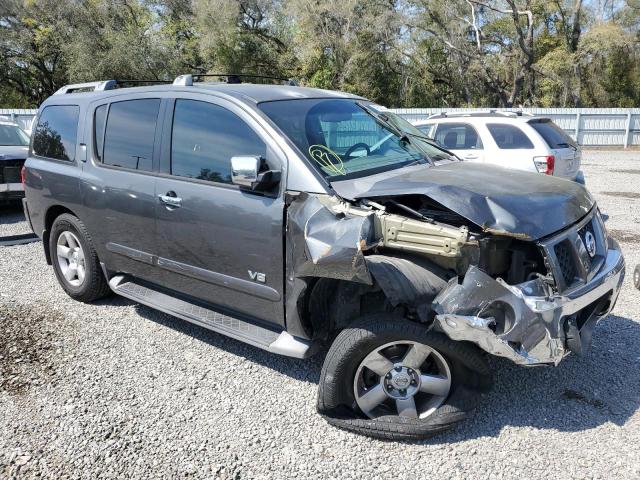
(327, 240)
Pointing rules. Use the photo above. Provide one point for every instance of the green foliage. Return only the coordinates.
(410, 53)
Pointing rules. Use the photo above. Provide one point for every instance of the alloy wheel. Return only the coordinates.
(71, 259)
(403, 378)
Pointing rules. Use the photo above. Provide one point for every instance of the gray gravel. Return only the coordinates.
(115, 389)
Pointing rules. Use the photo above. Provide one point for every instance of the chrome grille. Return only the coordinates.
(569, 260)
(566, 262)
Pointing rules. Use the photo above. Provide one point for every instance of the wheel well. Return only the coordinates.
(332, 304)
(51, 215)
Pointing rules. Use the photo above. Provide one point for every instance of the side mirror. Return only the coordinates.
(250, 172)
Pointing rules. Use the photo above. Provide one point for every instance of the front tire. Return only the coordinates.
(75, 261)
(390, 378)
(636, 277)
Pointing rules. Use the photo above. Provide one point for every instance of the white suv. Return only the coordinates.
(508, 139)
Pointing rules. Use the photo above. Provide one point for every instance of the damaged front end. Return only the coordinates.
(541, 320)
(531, 301)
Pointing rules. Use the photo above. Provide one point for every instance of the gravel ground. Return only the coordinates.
(116, 389)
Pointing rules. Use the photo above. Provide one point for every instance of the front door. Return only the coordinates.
(218, 243)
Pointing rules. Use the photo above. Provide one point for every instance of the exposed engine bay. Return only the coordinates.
(516, 297)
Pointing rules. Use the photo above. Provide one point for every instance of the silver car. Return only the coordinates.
(509, 140)
(14, 146)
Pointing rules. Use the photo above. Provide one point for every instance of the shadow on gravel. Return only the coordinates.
(579, 394)
(11, 213)
(28, 346)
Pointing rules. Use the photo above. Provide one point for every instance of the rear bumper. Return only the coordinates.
(521, 323)
(11, 191)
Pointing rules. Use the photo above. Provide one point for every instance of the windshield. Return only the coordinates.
(11, 135)
(342, 139)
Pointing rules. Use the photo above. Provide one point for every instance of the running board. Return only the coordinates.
(282, 343)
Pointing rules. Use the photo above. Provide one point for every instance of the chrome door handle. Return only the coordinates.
(170, 200)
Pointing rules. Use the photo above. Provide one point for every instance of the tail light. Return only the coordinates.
(23, 176)
(545, 165)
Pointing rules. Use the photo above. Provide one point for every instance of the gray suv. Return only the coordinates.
(291, 218)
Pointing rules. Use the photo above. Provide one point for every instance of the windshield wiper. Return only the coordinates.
(383, 119)
(403, 135)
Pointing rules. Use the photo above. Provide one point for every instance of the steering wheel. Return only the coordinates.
(357, 146)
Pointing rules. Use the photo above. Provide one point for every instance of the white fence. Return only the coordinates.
(22, 117)
(613, 127)
(606, 127)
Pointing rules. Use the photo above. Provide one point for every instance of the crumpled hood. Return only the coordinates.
(523, 204)
(10, 152)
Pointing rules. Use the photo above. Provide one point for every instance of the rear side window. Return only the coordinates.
(458, 136)
(508, 137)
(205, 137)
(56, 132)
(553, 134)
(129, 134)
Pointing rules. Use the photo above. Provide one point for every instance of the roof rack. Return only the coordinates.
(187, 79)
(101, 85)
(490, 113)
(91, 86)
(183, 80)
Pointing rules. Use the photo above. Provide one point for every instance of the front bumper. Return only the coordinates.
(521, 322)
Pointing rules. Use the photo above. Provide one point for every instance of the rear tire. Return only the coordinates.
(75, 261)
(636, 277)
(340, 399)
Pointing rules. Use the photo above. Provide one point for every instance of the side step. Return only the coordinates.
(20, 239)
(282, 343)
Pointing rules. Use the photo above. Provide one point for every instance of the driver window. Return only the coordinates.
(205, 137)
(458, 136)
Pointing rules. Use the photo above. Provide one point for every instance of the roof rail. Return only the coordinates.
(93, 86)
(187, 79)
(490, 113)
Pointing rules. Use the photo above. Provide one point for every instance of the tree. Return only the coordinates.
(395, 52)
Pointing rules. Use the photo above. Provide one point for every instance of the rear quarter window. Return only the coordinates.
(553, 134)
(509, 137)
(56, 132)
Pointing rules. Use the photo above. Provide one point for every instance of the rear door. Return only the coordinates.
(119, 183)
(462, 139)
(218, 243)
